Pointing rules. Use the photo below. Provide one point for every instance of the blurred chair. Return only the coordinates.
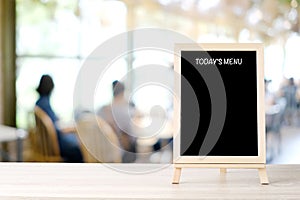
(99, 142)
(274, 123)
(45, 147)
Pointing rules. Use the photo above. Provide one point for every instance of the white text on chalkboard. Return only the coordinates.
(218, 61)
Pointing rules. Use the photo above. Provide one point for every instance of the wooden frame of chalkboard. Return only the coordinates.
(254, 159)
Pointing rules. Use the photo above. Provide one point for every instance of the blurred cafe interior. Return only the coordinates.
(44, 43)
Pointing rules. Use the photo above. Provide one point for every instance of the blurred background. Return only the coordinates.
(55, 37)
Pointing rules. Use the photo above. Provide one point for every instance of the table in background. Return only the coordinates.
(97, 181)
(9, 134)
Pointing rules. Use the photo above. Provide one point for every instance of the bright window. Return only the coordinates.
(55, 37)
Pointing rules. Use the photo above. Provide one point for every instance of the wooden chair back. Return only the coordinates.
(45, 144)
(99, 142)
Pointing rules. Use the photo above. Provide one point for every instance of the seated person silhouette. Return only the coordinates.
(118, 114)
(68, 143)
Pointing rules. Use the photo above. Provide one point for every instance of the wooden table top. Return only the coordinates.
(8, 133)
(98, 181)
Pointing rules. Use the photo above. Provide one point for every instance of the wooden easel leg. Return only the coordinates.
(176, 177)
(263, 176)
(223, 170)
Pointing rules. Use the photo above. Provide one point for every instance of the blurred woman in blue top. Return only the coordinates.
(68, 143)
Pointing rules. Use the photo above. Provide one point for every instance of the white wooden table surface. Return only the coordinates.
(97, 181)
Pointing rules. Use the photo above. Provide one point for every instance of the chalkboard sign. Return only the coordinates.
(220, 118)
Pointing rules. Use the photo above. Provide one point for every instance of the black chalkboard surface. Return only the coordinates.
(238, 135)
(220, 117)
(219, 121)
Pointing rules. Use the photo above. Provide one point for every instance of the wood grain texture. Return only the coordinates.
(99, 181)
